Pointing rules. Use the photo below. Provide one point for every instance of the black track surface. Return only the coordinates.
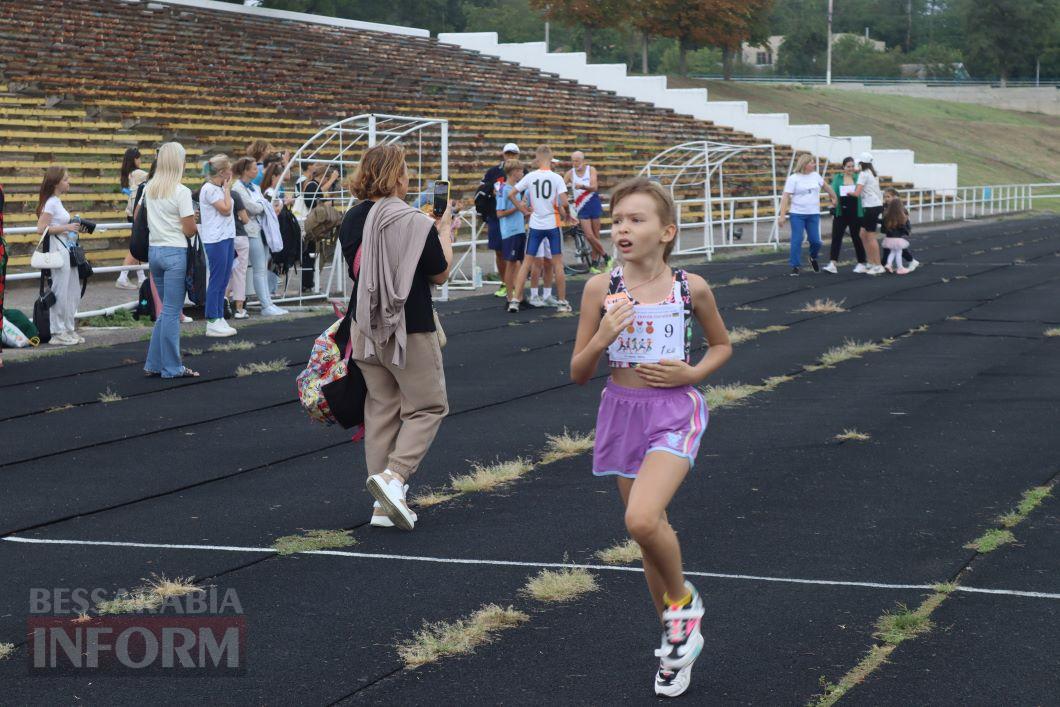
(961, 405)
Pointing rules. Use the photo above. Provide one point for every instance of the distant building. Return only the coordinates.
(764, 56)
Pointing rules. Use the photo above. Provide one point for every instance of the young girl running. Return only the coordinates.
(651, 416)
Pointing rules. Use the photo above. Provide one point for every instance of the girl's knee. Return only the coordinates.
(642, 525)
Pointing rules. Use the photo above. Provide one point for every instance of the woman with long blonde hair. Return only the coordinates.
(171, 221)
(802, 200)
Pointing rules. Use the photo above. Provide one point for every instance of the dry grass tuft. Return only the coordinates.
(848, 350)
(313, 540)
(150, 596)
(904, 623)
(427, 499)
(621, 553)
(773, 381)
(772, 328)
(850, 435)
(567, 445)
(823, 306)
(109, 396)
(956, 318)
(748, 308)
(191, 352)
(1055, 331)
(6, 649)
(741, 334)
(250, 369)
(740, 281)
(719, 396)
(60, 408)
(439, 640)
(563, 315)
(487, 478)
(233, 346)
(560, 585)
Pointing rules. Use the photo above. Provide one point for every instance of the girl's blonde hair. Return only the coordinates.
(801, 161)
(169, 171)
(215, 165)
(664, 203)
(258, 149)
(379, 171)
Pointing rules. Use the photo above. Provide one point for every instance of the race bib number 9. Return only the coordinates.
(656, 333)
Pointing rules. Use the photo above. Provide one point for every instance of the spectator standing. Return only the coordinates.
(314, 189)
(237, 283)
(802, 198)
(846, 217)
(54, 220)
(130, 179)
(394, 254)
(218, 233)
(257, 207)
(486, 205)
(868, 189)
(258, 151)
(587, 207)
(171, 222)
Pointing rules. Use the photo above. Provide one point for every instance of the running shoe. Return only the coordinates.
(390, 493)
(551, 301)
(379, 517)
(537, 302)
(814, 264)
(185, 319)
(888, 268)
(682, 639)
(912, 265)
(123, 284)
(513, 307)
(875, 270)
(794, 272)
(903, 271)
(671, 682)
(831, 268)
(502, 291)
(241, 314)
(861, 268)
(563, 305)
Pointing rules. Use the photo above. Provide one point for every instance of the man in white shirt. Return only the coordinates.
(546, 193)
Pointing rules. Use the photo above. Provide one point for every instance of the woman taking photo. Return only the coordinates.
(257, 207)
(171, 221)
(802, 197)
(846, 217)
(131, 178)
(395, 253)
(61, 229)
(218, 237)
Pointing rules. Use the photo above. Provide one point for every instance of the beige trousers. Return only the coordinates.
(405, 407)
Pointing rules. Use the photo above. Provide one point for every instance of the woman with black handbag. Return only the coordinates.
(59, 231)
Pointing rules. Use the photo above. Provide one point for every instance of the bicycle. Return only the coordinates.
(582, 252)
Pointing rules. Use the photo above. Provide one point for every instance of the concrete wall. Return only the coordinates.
(774, 127)
(1025, 98)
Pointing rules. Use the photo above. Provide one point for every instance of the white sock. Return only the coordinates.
(141, 276)
(547, 292)
(123, 276)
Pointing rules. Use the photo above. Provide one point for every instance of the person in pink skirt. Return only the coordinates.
(895, 235)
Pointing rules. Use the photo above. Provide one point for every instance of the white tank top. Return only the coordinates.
(580, 182)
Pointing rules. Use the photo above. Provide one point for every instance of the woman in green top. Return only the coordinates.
(847, 216)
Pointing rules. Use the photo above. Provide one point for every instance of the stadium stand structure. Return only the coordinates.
(78, 87)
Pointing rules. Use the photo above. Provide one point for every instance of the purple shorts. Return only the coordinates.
(635, 421)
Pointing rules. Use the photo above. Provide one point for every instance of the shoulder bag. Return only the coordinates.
(46, 259)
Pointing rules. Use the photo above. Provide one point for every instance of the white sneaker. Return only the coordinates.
(63, 339)
(875, 270)
(390, 493)
(219, 327)
(380, 518)
(123, 283)
(513, 307)
(185, 319)
(551, 301)
(671, 682)
(831, 268)
(241, 314)
(563, 305)
(273, 311)
(913, 265)
(536, 301)
(861, 268)
(683, 638)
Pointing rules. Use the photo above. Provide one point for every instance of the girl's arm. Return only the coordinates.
(596, 332)
(224, 204)
(45, 223)
(252, 205)
(672, 374)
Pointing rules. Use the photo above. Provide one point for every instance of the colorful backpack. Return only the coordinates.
(330, 390)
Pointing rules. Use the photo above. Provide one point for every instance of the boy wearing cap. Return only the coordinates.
(486, 204)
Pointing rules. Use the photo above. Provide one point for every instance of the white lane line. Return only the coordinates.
(517, 563)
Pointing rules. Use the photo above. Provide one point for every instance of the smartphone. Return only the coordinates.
(441, 197)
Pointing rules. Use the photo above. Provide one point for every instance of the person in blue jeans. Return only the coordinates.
(171, 221)
(802, 202)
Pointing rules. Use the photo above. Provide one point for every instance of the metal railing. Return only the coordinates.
(883, 81)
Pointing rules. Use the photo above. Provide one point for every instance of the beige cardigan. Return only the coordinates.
(393, 240)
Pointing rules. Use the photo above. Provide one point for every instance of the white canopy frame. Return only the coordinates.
(340, 146)
(699, 167)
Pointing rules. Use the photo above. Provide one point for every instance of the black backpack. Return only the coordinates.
(145, 302)
(291, 233)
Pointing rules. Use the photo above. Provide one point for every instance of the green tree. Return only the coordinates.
(512, 20)
(589, 15)
(699, 23)
(1003, 35)
(856, 56)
